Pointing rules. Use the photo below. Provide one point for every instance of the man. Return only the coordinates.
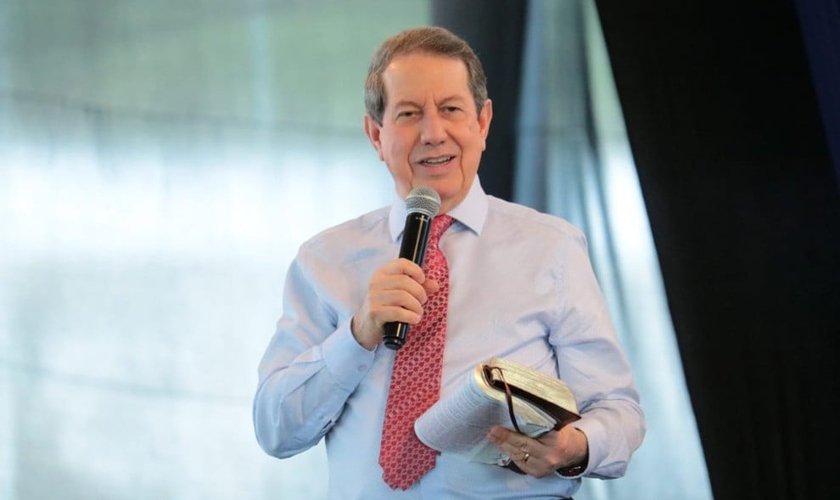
(518, 284)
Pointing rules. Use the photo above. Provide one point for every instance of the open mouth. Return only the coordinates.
(440, 160)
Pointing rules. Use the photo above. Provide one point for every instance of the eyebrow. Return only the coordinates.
(443, 102)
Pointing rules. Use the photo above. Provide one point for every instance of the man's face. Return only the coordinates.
(430, 133)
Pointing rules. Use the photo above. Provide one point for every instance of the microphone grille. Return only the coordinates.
(424, 200)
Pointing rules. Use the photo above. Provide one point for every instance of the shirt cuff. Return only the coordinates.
(596, 440)
(346, 360)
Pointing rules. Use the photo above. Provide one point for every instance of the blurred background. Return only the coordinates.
(160, 163)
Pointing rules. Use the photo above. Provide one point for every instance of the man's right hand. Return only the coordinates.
(396, 293)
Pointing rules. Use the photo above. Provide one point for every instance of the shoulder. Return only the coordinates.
(532, 222)
(366, 230)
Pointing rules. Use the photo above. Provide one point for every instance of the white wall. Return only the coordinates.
(160, 162)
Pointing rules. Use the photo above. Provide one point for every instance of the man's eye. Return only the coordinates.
(406, 114)
(451, 109)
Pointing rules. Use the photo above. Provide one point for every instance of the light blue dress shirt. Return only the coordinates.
(521, 287)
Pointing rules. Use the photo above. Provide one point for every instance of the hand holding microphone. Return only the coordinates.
(395, 291)
(423, 204)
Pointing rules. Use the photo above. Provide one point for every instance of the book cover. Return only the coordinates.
(458, 423)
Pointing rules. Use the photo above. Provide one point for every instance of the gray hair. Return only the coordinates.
(430, 39)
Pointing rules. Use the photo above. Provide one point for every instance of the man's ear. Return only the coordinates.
(372, 130)
(485, 117)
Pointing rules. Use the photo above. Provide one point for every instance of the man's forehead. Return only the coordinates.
(408, 60)
(420, 75)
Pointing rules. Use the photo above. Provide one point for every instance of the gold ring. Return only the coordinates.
(526, 457)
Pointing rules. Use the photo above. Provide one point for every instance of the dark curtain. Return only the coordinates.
(820, 21)
(495, 30)
(734, 162)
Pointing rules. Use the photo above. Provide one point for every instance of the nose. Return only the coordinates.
(432, 129)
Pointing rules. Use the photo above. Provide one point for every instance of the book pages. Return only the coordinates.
(459, 423)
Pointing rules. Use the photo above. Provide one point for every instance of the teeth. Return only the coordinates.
(437, 161)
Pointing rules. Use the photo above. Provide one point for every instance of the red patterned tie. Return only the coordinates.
(415, 380)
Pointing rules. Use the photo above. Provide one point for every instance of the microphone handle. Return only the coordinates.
(413, 248)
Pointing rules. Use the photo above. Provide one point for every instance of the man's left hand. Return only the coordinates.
(544, 455)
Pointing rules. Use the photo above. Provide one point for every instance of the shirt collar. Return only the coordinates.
(471, 212)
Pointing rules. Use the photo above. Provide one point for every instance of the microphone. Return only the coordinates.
(423, 204)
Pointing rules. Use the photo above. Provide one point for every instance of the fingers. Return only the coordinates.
(530, 455)
(511, 443)
(396, 293)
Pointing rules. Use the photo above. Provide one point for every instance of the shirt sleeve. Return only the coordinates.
(595, 367)
(310, 368)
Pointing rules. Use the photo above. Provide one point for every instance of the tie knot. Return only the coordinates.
(439, 226)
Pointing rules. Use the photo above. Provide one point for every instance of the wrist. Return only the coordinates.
(577, 468)
(574, 470)
(359, 335)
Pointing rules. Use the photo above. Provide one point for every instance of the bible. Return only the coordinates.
(497, 392)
